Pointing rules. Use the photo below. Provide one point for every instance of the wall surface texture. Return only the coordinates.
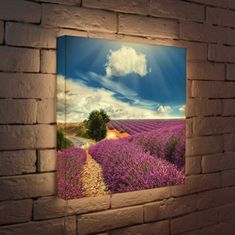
(205, 205)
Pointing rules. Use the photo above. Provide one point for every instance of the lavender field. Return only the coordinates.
(150, 155)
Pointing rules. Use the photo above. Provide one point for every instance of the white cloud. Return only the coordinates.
(124, 61)
(182, 109)
(81, 100)
(164, 110)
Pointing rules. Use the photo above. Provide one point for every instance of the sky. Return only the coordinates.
(127, 80)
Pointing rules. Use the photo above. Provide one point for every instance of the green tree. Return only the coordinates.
(62, 142)
(96, 124)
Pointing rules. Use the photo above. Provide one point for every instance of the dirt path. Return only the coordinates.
(92, 178)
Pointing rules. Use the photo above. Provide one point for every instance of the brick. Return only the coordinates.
(202, 32)
(47, 227)
(213, 125)
(28, 35)
(227, 212)
(203, 107)
(198, 183)
(229, 142)
(110, 219)
(139, 197)
(170, 208)
(21, 59)
(47, 160)
(143, 229)
(193, 221)
(221, 53)
(193, 165)
(67, 2)
(133, 6)
(79, 18)
(231, 4)
(189, 128)
(18, 111)
(18, 85)
(228, 107)
(215, 198)
(1, 32)
(220, 16)
(217, 3)
(48, 61)
(27, 186)
(15, 211)
(46, 112)
(204, 145)
(215, 89)
(177, 9)
(50, 207)
(140, 25)
(19, 10)
(230, 72)
(228, 178)
(218, 162)
(27, 136)
(205, 71)
(17, 162)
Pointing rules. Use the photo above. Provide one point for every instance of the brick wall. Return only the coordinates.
(28, 202)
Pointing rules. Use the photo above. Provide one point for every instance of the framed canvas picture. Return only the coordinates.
(120, 116)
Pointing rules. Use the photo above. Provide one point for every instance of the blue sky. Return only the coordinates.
(127, 79)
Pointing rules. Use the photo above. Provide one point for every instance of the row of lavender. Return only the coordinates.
(140, 161)
(140, 125)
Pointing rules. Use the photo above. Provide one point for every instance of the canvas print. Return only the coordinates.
(120, 116)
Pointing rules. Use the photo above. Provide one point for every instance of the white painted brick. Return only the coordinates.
(47, 160)
(213, 125)
(205, 71)
(204, 145)
(19, 59)
(140, 25)
(170, 208)
(228, 107)
(215, 89)
(218, 162)
(193, 165)
(110, 219)
(220, 16)
(221, 53)
(22, 85)
(48, 227)
(131, 6)
(215, 198)
(230, 72)
(202, 32)
(28, 35)
(1, 32)
(46, 112)
(161, 227)
(48, 61)
(27, 136)
(50, 207)
(203, 107)
(79, 18)
(27, 186)
(18, 111)
(177, 9)
(64, 2)
(17, 162)
(15, 211)
(193, 221)
(20, 10)
(139, 197)
(228, 178)
(229, 142)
